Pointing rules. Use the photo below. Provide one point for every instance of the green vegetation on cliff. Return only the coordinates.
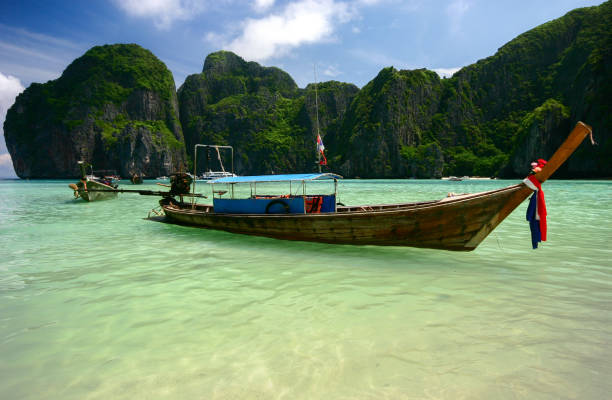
(117, 106)
(568, 60)
(108, 74)
(111, 105)
(258, 110)
(559, 72)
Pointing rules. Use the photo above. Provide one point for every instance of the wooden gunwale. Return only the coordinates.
(185, 208)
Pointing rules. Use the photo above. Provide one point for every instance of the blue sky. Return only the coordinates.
(349, 41)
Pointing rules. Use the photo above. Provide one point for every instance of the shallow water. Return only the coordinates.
(98, 302)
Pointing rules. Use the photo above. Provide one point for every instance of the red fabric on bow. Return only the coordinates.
(541, 207)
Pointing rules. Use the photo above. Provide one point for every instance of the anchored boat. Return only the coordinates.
(208, 173)
(136, 179)
(93, 188)
(454, 223)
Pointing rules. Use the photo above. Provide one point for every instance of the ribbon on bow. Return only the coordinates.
(536, 211)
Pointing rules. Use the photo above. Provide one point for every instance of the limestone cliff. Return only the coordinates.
(260, 112)
(115, 107)
(568, 60)
(389, 113)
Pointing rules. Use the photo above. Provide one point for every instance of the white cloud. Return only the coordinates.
(331, 71)
(163, 12)
(403, 5)
(299, 23)
(446, 72)
(215, 39)
(5, 163)
(30, 74)
(10, 87)
(262, 5)
(370, 2)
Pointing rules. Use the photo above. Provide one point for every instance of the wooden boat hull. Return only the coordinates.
(106, 192)
(457, 223)
(452, 224)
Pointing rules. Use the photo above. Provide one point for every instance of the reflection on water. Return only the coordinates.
(98, 302)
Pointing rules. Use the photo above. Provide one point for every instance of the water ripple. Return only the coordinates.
(98, 302)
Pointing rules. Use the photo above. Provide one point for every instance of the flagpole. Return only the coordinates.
(317, 113)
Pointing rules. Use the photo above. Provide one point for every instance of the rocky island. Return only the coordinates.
(117, 107)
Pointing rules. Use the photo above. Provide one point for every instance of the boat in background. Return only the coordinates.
(93, 188)
(209, 174)
(457, 222)
(136, 179)
(107, 175)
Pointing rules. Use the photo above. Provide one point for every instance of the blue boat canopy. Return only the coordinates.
(276, 178)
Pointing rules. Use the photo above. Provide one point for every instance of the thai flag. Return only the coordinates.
(320, 149)
(320, 146)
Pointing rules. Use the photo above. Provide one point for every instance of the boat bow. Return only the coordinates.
(575, 138)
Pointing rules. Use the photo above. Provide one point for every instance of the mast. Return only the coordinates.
(317, 113)
(219, 158)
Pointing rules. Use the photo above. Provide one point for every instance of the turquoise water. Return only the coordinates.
(97, 302)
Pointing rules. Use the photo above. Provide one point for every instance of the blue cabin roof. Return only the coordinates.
(276, 178)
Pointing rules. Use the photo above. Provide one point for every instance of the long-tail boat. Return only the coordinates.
(93, 188)
(136, 179)
(459, 222)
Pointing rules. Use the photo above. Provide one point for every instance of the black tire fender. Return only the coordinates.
(277, 201)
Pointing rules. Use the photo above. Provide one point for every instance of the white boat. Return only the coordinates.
(209, 174)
